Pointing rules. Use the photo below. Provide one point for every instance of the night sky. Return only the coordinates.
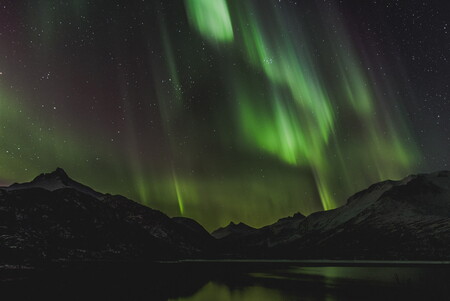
(220, 110)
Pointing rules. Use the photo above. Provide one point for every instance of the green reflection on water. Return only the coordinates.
(374, 275)
(294, 283)
(220, 292)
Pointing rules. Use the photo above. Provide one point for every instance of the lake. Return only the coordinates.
(343, 281)
(231, 280)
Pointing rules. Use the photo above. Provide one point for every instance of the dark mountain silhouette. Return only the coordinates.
(53, 181)
(192, 225)
(392, 220)
(243, 241)
(232, 230)
(54, 218)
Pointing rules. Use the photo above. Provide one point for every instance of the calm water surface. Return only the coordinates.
(229, 281)
(330, 283)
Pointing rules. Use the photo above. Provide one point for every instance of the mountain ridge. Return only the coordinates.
(402, 219)
(54, 180)
(56, 218)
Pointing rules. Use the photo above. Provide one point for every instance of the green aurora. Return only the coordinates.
(285, 118)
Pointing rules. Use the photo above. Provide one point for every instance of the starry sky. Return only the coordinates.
(225, 110)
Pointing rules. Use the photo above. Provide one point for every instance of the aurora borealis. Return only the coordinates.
(224, 110)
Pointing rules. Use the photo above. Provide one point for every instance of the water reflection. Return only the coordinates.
(221, 292)
(374, 275)
(228, 281)
(329, 284)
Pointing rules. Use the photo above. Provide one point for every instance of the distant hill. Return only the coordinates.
(232, 230)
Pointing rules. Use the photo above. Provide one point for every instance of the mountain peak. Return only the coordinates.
(239, 225)
(54, 180)
(230, 229)
(58, 174)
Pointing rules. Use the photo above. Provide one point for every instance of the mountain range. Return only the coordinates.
(390, 220)
(54, 218)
